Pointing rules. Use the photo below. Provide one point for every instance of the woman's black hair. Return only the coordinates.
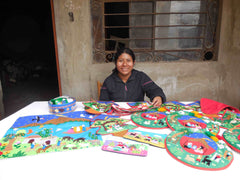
(124, 50)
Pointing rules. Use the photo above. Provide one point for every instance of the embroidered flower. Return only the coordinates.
(6, 152)
(4, 144)
(1, 153)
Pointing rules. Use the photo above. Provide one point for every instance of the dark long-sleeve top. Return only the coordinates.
(137, 85)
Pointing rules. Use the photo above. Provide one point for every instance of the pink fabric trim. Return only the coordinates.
(146, 83)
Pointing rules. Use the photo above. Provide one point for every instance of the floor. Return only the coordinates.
(18, 95)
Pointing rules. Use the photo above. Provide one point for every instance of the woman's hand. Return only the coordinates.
(157, 101)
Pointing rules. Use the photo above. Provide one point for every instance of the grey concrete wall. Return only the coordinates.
(229, 54)
(183, 81)
(74, 47)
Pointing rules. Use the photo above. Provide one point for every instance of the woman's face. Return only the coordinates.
(124, 65)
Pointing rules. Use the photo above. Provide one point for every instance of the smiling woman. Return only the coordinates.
(126, 84)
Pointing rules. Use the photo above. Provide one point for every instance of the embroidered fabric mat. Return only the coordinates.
(199, 151)
(31, 135)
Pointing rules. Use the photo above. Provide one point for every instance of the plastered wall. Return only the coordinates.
(183, 81)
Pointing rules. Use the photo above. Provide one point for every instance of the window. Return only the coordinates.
(156, 30)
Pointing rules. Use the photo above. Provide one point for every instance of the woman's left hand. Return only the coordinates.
(157, 101)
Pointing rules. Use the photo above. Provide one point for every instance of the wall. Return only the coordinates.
(229, 54)
(183, 81)
(74, 47)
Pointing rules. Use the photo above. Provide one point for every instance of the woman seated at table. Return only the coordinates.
(126, 84)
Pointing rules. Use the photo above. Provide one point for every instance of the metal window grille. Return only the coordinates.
(156, 30)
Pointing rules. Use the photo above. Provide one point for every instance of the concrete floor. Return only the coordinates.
(20, 94)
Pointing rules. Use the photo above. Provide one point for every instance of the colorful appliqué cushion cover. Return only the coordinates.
(32, 135)
(198, 150)
(195, 139)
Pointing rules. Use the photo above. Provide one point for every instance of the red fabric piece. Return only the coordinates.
(209, 106)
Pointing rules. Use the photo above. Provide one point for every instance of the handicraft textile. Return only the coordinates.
(150, 119)
(111, 124)
(32, 135)
(125, 148)
(199, 151)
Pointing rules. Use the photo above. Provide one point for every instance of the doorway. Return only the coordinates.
(27, 54)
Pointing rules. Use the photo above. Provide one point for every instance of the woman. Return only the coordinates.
(126, 84)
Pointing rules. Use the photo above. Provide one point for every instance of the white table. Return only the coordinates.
(93, 163)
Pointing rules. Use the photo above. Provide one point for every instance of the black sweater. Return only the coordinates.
(114, 89)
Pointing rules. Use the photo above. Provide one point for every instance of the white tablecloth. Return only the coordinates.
(93, 163)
